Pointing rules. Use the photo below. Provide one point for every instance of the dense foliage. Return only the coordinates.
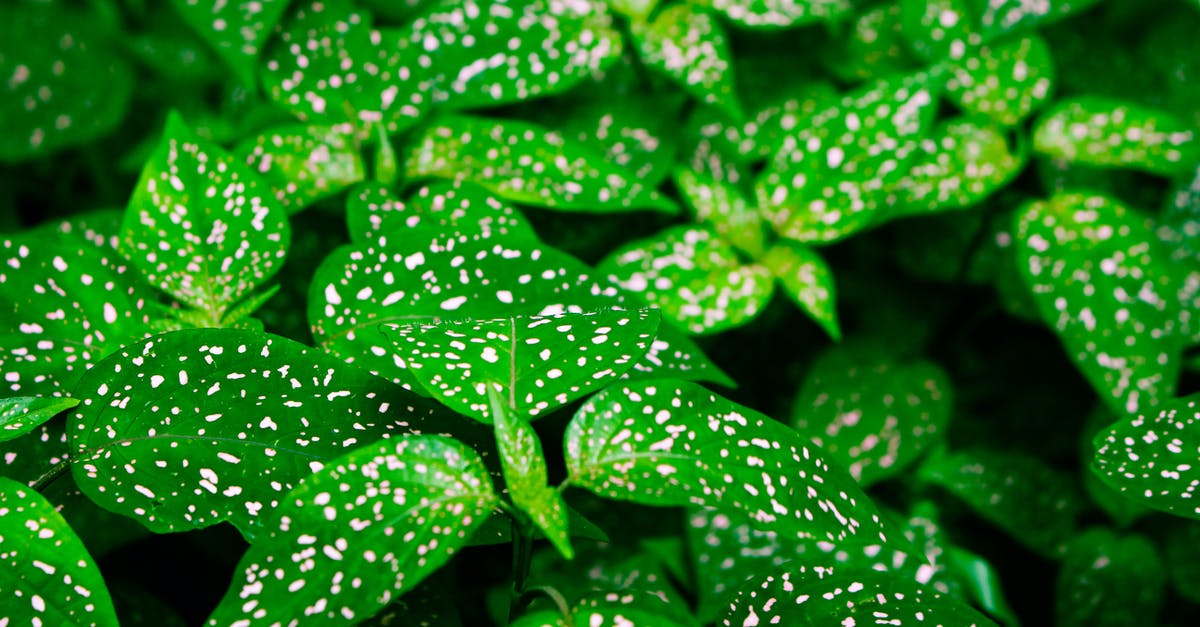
(599, 312)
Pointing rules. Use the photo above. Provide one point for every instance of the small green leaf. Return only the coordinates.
(526, 163)
(870, 413)
(361, 532)
(536, 363)
(23, 414)
(1032, 502)
(35, 455)
(303, 164)
(386, 166)
(47, 575)
(1181, 552)
(688, 45)
(1099, 279)
(870, 47)
(938, 29)
(694, 276)
(1003, 82)
(807, 280)
(443, 213)
(1001, 17)
(981, 584)
(861, 598)
(63, 86)
(673, 443)
(235, 30)
(1107, 580)
(781, 13)
(633, 9)
(188, 429)
(958, 166)
(201, 226)
(1112, 133)
(723, 206)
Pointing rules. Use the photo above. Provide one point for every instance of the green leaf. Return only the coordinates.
(536, 363)
(47, 575)
(870, 47)
(607, 609)
(864, 598)
(442, 213)
(1181, 553)
(303, 164)
(981, 583)
(1001, 17)
(201, 226)
(633, 9)
(1003, 82)
(694, 276)
(526, 163)
(63, 85)
(1111, 133)
(831, 177)
(235, 30)
(781, 13)
(35, 455)
(722, 205)
(68, 299)
(688, 45)
(1100, 281)
(361, 532)
(938, 29)
(807, 280)
(188, 429)
(1124, 508)
(23, 414)
(489, 52)
(958, 166)
(1018, 493)
(1109, 580)
(871, 413)
(1178, 229)
(673, 443)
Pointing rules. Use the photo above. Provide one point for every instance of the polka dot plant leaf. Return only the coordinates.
(1003, 81)
(303, 164)
(1109, 579)
(938, 29)
(765, 14)
(47, 578)
(725, 208)
(958, 166)
(1178, 229)
(1001, 17)
(361, 532)
(22, 414)
(806, 279)
(235, 30)
(1109, 133)
(612, 609)
(688, 45)
(444, 212)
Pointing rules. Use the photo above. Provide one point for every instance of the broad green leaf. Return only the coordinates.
(870, 47)
(958, 166)
(443, 213)
(1018, 493)
(1000, 17)
(639, 568)
(535, 363)
(487, 52)
(1100, 280)
(938, 29)
(526, 163)
(35, 455)
(1112, 133)
(1109, 580)
(861, 598)
(694, 276)
(235, 30)
(1003, 82)
(723, 206)
(871, 413)
(1181, 554)
(188, 429)
(980, 583)
(781, 13)
(22, 414)
(688, 45)
(63, 85)
(1178, 228)
(1152, 457)
(47, 575)
(68, 299)
(672, 443)
(202, 226)
(303, 164)
(361, 532)
(831, 177)
(1123, 507)
(627, 609)
(807, 280)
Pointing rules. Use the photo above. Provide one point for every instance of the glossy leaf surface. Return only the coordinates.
(723, 206)
(807, 280)
(443, 213)
(303, 164)
(689, 46)
(1004, 81)
(958, 166)
(1110, 133)
(22, 414)
(235, 30)
(780, 13)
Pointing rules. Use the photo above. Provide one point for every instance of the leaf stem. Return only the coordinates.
(556, 597)
(50, 476)
(522, 533)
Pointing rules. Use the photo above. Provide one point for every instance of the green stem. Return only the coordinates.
(50, 476)
(522, 534)
(556, 597)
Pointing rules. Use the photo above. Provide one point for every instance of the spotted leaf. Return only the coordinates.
(1003, 82)
(999, 17)
(1099, 279)
(694, 276)
(303, 164)
(871, 46)
(23, 414)
(673, 443)
(488, 52)
(781, 13)
(958, 166)
(1032, 502)
(870, 413)
(722, 205)
(688, 45)
(865, 598)
(361, 532)
(443, 213)
(526, 163)
(63, 84)
(47, 575)
(535, 363)
(235, 30)
(611, 609)
(1102, 132)
(938, 29)
(1178, 229)
(1109, 579)
(201, 226)
(807, 280)
(188, 429)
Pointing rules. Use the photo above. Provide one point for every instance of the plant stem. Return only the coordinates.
(522, 534)
(53, 474)
(556, 597)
